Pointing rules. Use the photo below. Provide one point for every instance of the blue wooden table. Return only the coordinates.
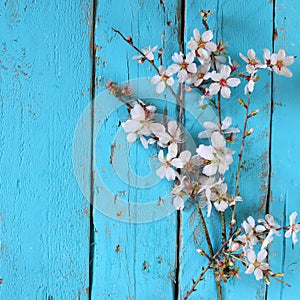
(55, 59)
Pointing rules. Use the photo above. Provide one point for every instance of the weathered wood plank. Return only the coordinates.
(45, 77)
(131, 261)
(285, 154)
(235, 22)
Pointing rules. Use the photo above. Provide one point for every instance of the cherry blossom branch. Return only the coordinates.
(129, 41)
(210, 247)
(267, 272)
(240, 162)
(221, 176)
(203, 223)
(200, 277)
(204, 14)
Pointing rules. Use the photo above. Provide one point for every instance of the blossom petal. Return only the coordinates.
(185, 156)
(206, 152)
(210, 170)
(217, 140)
(262, 254)
(233, 82)
(251, 256)
(161, 156)
(286, 72)
(250, 269)
(192, 45)
(211, 46)
(207, 36)
(178, 202)
(196, 34)
(170, 174)
(132, 126)
(251, 54)
(155, 79)
(160, 87)
(192, 68)
(170, 81)
(225, 92)
(289, 60)
(190, 57)
(258, 274)
(177, 163)
(214, 88)
(226, 123)
(137, 112)
(177, 58)
(161, 172)
(131, 137)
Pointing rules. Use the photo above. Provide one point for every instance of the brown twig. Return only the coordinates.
(200, 277)
(240, 162)
(130, 42)
(210, 247)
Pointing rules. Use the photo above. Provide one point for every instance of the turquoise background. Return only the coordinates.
(55, 57)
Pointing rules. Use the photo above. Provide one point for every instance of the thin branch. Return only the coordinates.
(200, 277)
(129, 41)
(238, 175)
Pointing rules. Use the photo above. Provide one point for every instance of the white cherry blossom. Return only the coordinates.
(218, 156)
(249, 87)
(139, 125)
(184, 66)
(178, 194)
(267, 58)
(268, 223)
(222, 81)
(168, 162)
(163, 79)
(280, 62)
(294, 228)
(253, 63)
(211, 127)
(257, 264)
(148, 53)
(201, 74)
(202, 45)
(207, 184)
(248, 238)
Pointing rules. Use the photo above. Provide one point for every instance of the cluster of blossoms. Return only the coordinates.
(200, 176)
(212, 72)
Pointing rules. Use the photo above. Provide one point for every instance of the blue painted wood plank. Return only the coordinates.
(285, 154)
(234, 22)
(45, 78)
(131, 261)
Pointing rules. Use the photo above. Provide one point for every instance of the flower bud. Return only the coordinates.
(267, 280)
(200, 251)
(249, 132)
(129, 40)
(233, 222)
(254, 113)
(241, 101)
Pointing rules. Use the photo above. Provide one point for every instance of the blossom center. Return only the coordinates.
(201, 44)
(279, 64)
(164, 77)
(253, 62)
(223, 82)
(184, 65)
(200, 75)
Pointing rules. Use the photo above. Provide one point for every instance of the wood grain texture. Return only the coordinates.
(132, 261)
(54, 57)
(285, 154)
(45, 73)
(230, 22)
